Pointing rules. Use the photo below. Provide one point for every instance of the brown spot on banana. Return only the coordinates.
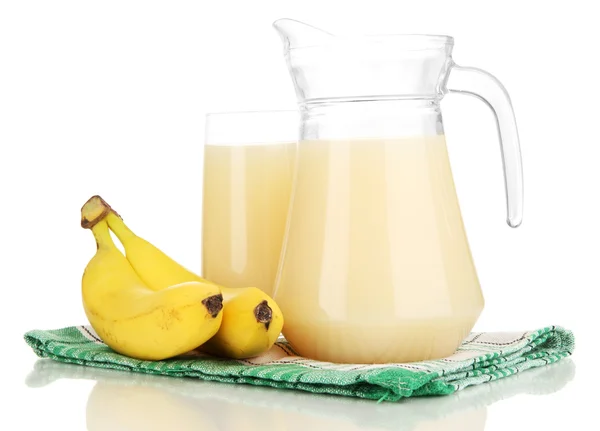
(263, 313)
(214, 304)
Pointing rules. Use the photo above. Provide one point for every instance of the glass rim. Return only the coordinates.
(241, 128)
(251, 112)
(412, 41)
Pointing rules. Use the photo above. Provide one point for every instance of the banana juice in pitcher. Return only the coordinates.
(376, 267)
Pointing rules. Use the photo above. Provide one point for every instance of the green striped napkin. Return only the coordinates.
(482, 357)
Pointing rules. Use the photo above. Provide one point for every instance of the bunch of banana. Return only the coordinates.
(136, 320)
(251, 320)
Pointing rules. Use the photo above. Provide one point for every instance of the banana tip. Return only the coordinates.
(214, 304)
(263, 313)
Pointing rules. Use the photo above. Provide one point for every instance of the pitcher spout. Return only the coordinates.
(296, 34)
(325, 66)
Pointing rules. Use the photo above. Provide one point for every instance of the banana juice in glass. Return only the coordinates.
(249, 160)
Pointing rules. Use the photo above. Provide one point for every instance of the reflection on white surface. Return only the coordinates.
(130, 401)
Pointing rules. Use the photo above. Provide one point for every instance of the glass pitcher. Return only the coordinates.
(376, 267)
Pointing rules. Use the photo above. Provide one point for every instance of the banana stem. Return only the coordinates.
(118, 226)
(102, 235)
(94, 211)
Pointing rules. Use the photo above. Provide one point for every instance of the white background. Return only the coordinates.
(109, 98)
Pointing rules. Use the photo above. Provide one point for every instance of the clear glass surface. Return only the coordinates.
(332, 68)
(248, 164)
(376, 265)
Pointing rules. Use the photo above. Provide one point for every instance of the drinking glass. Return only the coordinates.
(249, 161)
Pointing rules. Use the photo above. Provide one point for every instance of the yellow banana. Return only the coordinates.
(135, 320)
(251, 324)
(252, 321)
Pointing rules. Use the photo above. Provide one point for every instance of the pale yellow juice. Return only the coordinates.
(246, 197)
(377, 267)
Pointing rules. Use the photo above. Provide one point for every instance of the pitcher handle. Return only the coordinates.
(484, 86)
